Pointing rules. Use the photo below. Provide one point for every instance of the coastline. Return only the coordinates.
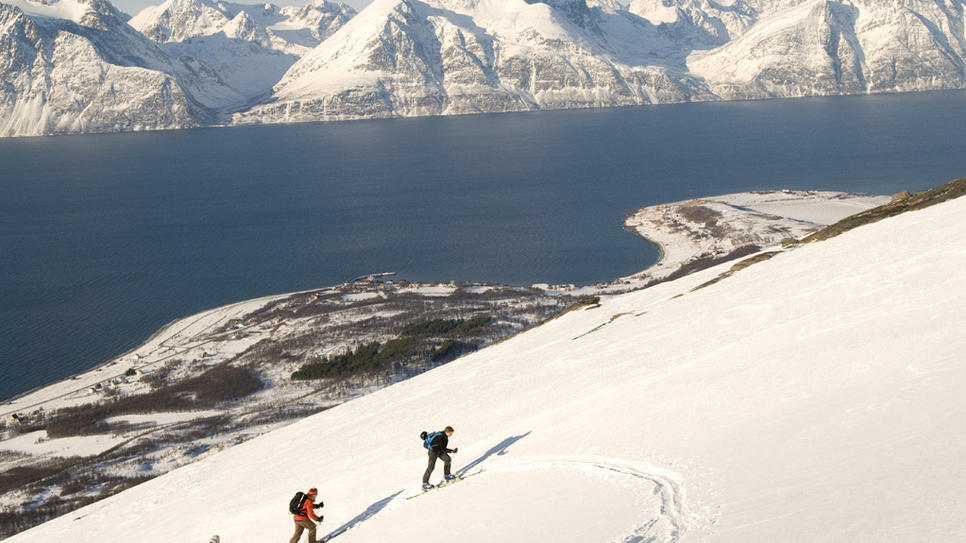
(84, 379)
(712, 228)
(271, 338)
(684, 232)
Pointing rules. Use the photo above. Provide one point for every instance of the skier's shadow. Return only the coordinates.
(499, 449)
(370, 511)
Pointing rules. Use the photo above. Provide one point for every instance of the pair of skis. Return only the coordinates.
(445, 483)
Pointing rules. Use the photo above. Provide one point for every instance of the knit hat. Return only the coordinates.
(312, 492)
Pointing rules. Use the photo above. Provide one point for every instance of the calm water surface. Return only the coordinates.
(105, 238)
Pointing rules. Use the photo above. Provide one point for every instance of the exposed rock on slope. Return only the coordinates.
(431, 57)
(76, 66)
(216, 62)
(823, 47)
(248, 47)
(407, 57)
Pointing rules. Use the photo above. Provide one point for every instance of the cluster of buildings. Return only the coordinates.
(21, 422)
(112, 384)
(370, 283)
(559, 288)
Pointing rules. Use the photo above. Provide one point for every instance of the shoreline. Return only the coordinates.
(714, 227)
(115, 360)
(126, 420)
(684, 232)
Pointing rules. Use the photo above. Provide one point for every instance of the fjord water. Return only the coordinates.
(105, 238)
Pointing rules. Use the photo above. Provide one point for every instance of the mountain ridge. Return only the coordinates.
(238, 64)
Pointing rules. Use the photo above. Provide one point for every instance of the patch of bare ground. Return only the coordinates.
(901, 203)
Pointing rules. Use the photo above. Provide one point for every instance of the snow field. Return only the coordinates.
(70, 10)
(600, 488)
(37, 443)
(812, 397)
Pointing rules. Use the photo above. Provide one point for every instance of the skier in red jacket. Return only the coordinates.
(304, 520)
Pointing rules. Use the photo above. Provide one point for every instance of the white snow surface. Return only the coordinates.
(816, 396)
(762, 218)
(163, 418)
(70, 10)
(216, 62)
(38, 443)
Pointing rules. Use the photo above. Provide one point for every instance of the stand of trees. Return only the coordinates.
(414, 338)
(219, 384)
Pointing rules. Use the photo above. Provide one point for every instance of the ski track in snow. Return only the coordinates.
(668, 526)
(666, 484)
(850, 434)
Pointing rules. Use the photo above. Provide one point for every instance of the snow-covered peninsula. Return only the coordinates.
(700, 231)
(809, 396)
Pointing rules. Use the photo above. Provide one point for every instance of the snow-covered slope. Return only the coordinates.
(411, 57)
(822, 47)
(816, 396)
(76, 66)
(430, 57)
(712, 23)
(288, 28)
(265, 64)
(249, 47)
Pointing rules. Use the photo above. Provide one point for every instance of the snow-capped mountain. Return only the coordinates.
(412, 57)
(431, 57)
(435, 57)
(813, 396)
(710, 23)
(783, 48)
(249, 47)
(76, 66)
(290, 29)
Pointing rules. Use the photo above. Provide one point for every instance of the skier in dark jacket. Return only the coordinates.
(439, 450)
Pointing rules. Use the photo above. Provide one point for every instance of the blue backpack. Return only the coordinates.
(428, 438)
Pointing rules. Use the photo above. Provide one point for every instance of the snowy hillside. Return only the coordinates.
(76, 66)
(409, 58)
(290, 26)
(815, 396)
(249, 47)
(214, 62)
(821, 47)
(432, 57)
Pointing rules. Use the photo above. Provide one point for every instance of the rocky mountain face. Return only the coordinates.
(291, 29)
(824, 47)
(76, 66)
(409, 57)
(431, 57)
(248, 47)
(214, 62)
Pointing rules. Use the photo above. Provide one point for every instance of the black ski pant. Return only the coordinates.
(433, 455)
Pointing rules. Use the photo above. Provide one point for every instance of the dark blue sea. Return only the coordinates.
(106, 238)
